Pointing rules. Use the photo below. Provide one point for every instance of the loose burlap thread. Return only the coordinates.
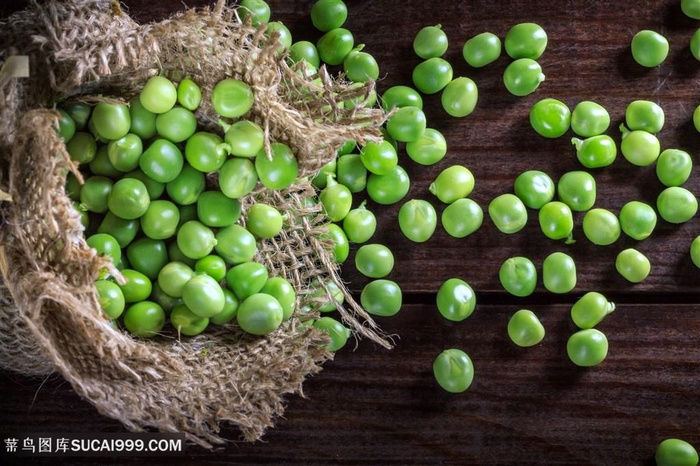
(50, 317)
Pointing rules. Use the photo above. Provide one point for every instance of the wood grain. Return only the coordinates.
(526, 406)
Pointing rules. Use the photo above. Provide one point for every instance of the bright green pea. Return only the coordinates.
(260, 314)
(176, 255)
(112, 121)
(257, 10)
(235, 244)
(430, 42)
(110, 297)
(601, 227)
(278, 170)
(587, 348)
(432, 75)
(244, 138)
(341, 245)
(330, 168)
(237, 177)
(518, 276)
(525, 329)
(390, 188)
(230, 310)
(374, 260)
(690, 8)
(124, 231)
(336, 330)
(673, 451)
(212, 265)
(328, 14)
(535, 188)
(264, 221)
(559, 273)
(246, 279)
(462, 218)
(649, 48)
(523, 76)
(94, 195)
(428, 149)
(327, 295)
(577, 189)
(589, 119)
(632, 265)
(381, 298)
(673, 167)
(455, 300)
(304, 50)
(138, 287)
(284, 35)
(128, 199)
(147, 256)
(351, 172)
(144, 319)
(453, 370)
(177, 124)
(232, 98)
(379, 157)
(676, 204)
(335, 45)
(595, 151)
(454, 182)
(203, 296)
(525, 40)
(482, 49)
(336, 200)
(173, 277)
(161, 219)
(639, 147)
(417, 220)
(195, 239)
(508, 213)
(406, 124)
(591, 309)
(401, 96)
(556, 221)
(158, 95)
(550, 118)
(162, 161)
(644, 115)
(124, 153)
(637, 220)
(205, 152)
(360, 224)
(82, 147)
(143, 122)
(283, 291)
(187, 322)
(189, 95)
(105, 245)
(186, 187)
(360, 66)
(460, 96)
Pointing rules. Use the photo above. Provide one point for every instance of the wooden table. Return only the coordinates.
(526, 406)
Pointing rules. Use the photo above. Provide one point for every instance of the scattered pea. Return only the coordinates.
(455, 299)
(674, 451)
(589, 119)
(462, 218)
(453, 370)
(590, 309)
(649, 48)
(525, 40)
(550, 118)
(454, 182)
(417, 220)
(523, 76)
(595, 151)
(587, 347)
(482, 49)
(535, 188)
(632, 265)
(518, 276)
(430, 42)
(601, 227)
(676, 204)
(559, 273)
(508, 213)
(525, 329)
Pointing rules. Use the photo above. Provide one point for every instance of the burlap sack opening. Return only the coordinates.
(49, 315)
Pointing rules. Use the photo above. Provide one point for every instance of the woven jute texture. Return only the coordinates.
(50, 319)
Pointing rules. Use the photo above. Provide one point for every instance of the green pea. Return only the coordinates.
(341, 245)
(453, 370)
(401, 96)
(232, 98)
(428, 149)
(203, 296)
(406, 124)
(144, 319)
(161, 219)
(257, 10)
(246, 279)
(535, 188)
(601, 227)
(390, 188)
(432, 75)
(79, 112)
(335, 45)
(112, 121)
(143, 122)
(632, 265)
(374, 260)
(155, 188)
(105, 245)
(417, 220)
(690, 8)
(205, 152)
(337, 332)
(101, 165)
(94, 195)
(278, 170)
(336, 200)
(189, 95)
(455, 300)
(696, 118)
(695, 251)
(328, 294)
(459, 97)
(637, 220)
(177, 124)
(649, 48)
(525, 329)
(644, 115)
(244, 138)
(158, 95)
(454, 182)
(518, 276)
(595, 151)
(137, 287)
(351, 172)
(147, 256)
(639, 147)
(215, 209)
(235, 244)
(237, 177)
(82, 147)
(304, 50)
(525, 40)
(550, 118)
(676, 204)
(556, 221)
(379, 157)
(360, 66)
(195, 239)
(260, 314)
(508, 213)
(587, 348)
(673, 167)
(212, 265)
(128, 199)
(110, 297)
(282, 32)
(591, 309)
(124, 153)
(264, 221)
(673, 451)
(283, 291)
(162, 161)
(523, 76)
(330, 168)
(462, 218)
(559, 273)
(186, 187)
(589, 119)
(187, 322)
(66, 125)
(482, 49)
(328, 14)
(173, 277)
(360, 224)
(577, 189)
(124, 231)
(430, 42)
(381, 297)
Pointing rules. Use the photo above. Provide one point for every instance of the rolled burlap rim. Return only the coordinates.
(50, 318)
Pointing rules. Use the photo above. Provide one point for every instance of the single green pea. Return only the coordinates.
(674, 451)
(577, 189)
(143, 122)
(690, 8)
(110, 297)
(79, 112)
(453, 370)
(144, 319)
(360, 66)
(454, 182)
(66, 125)
(462, 218)
(589, 119)
(148, 256)
(336, 330)
(282, 32)
(112, 121)
(237, 177)
(155, 188)
(587, 348)
(406, 124)
(215, 209)
(390, 188)
(173, 277)
(644, 115)
(595, 151)
(82, 147)
(212, 265)
(335, 45)
(401, 96)
(341, 245)
(195, 239)
(590, 309)
(518, 276)
(559, 273)
(278, 170)
(177, 124)
(105, 245)
(257, 10)
(244, 138)
(508, 213)
(523, 76)
(124, 153)
(556, 221)
(186, 187)
(696, 118)
(137, 287)
(128, 199)
(189, 95)
(535, 188)
(283, 291)
(94, 194)
(235, 244)
(632, 265)
(676, 204)
(525, 329)
(203, 296)
(430, 42)
(640, 147)
(187, 322)
(360, 224)
(158, 95)
(417, 220)
(246, 279)
(260, 314)
(459, 97)
(550, 118)
(327, 295)
(264, 221)
(482, 49)
(673, 167)
(525, 40)
(379, 157)
(336, 200)
(601, 227)
(695, 251)
(649, 48)
(352, 172)
(374, 260)
(432, 75)
(304, 50)
(232, 98)
(329, 168)
(381, 297)
(637, 220)
(428, 149)
(162, 161)
(205, 151)
(455, 299)
(161, 219)
(328, 14)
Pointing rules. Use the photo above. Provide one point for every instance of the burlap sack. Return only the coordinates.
(49, 315)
